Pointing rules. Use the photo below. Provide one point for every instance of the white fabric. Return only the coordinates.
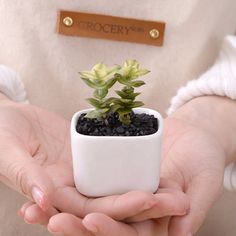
(230, 177)
(49, 62)
(220, 80)
(11, 85)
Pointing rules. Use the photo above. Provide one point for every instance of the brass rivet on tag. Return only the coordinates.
(154, 33)
(67, 21)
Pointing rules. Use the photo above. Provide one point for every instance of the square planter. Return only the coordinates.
(108, 165)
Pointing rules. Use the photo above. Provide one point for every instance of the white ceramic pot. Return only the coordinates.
(107, 165)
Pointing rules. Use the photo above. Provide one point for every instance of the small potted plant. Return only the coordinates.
(116, 146)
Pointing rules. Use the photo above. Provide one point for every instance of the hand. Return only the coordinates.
(198, 142)
(97, 224)
(36, 161)
(144, 223)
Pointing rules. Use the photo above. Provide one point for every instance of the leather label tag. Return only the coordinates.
(111, 27)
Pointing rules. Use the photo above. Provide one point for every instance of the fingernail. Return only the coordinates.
(91, 227)
(28, 217)
(27, 221)
(22, 210)
(38, 197)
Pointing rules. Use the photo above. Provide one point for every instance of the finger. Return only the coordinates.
(35, 215)
(25, 174)
(117, 206)
(102, 225)
(21, 212)
(202, 195)
(169, 184)
(67, 224)
(168, 202)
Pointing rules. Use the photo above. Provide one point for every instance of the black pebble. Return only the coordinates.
(141, 124)
(120, 130)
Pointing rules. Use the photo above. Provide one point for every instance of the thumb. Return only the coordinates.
(202, 191)
(26, 175)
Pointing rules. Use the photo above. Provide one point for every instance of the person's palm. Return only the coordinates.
(195, 160)
(36, 147)
(41, 140)
(143, 223)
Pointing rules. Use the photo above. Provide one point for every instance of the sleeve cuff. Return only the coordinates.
(219, 80)
(230, 177)
(11, 85)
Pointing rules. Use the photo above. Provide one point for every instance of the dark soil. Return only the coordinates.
(141, 124)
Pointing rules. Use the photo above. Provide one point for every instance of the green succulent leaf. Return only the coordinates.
(93, 114)
(131, 63)
(111, 82)
(125, 119)
(100, 74)
(128, 89)
(87, 75)
(142, 72)
(117, 102)
(131, 70)
(100, 93)
(102, 71)
(137, 104)
(124, 111)
(121, 94)
(114, 70)
(94, 102)
(123, 80)
(133, 96)
(99, 83)
(115, 107)
(110, 101)
(126, 101)
(127, 95)
(137, 83)
(117, 76)
(89, 83)
(100, 66)
(98, 113)
(124, 115)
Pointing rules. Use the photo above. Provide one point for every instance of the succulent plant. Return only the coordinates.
(102, 78)
(128, 76)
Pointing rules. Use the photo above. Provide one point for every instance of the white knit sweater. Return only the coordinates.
(11, 85)
(220, 79)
